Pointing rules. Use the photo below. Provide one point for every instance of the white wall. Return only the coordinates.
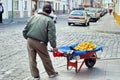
(79, 2)
(5, 5)
(61, 3)
(118, 7)
(29, 8)
(21, 8)
(9, 5)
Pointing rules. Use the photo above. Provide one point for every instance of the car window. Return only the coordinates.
(77, 13)
(91, 9)
(87, 9)
(78, 8)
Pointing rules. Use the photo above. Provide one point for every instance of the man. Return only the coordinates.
(1, 11)
(40, 30)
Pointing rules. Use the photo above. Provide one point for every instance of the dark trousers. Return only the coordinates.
(0, 17)
(36, 47)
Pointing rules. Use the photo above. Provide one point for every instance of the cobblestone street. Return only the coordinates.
(13, 53)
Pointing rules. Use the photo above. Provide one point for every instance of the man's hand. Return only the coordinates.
(55, 49)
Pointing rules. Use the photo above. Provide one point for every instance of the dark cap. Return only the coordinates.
(47, 8)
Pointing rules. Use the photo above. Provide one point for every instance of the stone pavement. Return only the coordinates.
(14, 60)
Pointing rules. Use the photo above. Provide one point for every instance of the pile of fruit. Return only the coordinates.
(85, 46)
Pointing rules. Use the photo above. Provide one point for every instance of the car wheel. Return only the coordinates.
(96, 20)
(69, 24)
(85, 24)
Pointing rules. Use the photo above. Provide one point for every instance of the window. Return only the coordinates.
(25, 8)
(77, 13)
(87, 0)
(58, 6)
(55, 6)
(41, 4)
(16, 4)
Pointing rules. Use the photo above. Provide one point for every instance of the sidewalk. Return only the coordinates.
(110, 25)
(103, 70)
(17, 20)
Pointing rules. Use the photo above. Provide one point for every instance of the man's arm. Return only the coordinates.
(52, 33)
(27, 27)
(25, 31)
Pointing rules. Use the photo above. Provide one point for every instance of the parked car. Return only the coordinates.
(53, 16)
(94, 13)
(102, 11)
(78, 17)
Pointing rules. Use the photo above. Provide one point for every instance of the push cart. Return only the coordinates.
(88, 56)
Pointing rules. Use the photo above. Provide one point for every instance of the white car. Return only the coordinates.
(94, 13)
(54, 17)
(78, 17)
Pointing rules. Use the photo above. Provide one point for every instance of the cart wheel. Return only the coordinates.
(90, 62)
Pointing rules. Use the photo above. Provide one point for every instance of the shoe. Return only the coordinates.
(36, 79)
(53, 75)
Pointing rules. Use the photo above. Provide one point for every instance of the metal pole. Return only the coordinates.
(12, 12)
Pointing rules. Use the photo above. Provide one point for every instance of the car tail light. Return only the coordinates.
(95, 14)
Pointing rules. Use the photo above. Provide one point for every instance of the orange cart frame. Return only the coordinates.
(88, 55)
(85, 57)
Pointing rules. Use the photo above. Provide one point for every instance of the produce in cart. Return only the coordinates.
(85, 46)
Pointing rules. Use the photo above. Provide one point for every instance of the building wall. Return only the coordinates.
(118, 7)
(5, 14)
(87, 3)
(23, 8)
(59, 6)
(80, 2)
(116, 12)
(20, 10)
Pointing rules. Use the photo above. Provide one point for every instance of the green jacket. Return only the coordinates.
(41, 27)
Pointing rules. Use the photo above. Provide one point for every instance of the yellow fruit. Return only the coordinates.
(85, 46)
